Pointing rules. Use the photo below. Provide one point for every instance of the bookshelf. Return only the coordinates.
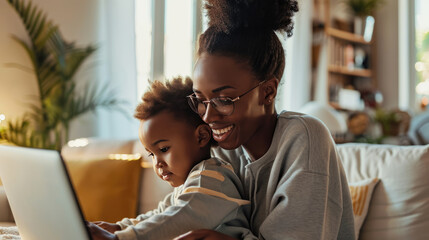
(346, 36)
(348, 62)
(365, 73)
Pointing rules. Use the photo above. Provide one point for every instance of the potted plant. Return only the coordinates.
(55, 62)
(389, 120)
(362, 11)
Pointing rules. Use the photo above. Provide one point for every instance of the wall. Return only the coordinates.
(386, 37)
(106, 23)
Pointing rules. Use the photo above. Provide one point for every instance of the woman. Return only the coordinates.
(287, 162)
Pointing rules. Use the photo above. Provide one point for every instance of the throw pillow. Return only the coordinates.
(107, 189)
(361, 193)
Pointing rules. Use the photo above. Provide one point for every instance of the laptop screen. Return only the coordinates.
(40, 194)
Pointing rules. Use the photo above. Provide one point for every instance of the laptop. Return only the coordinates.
(40, 194)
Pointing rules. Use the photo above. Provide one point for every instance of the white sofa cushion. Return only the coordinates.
(400, 204)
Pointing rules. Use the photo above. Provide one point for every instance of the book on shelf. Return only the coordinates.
(345, 55)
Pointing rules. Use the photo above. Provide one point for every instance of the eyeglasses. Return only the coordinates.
(223, 105)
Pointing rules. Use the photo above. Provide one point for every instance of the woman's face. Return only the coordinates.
(221, 76)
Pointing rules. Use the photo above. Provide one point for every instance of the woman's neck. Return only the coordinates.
(260, 142)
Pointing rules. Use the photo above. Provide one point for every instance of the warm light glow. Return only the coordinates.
(80, 142)
(2, 118)
(423, 88)
(125, 157)
(420, 66)
(146, 164)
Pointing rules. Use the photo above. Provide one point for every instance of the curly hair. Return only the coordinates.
(245, 30)
(171, 96)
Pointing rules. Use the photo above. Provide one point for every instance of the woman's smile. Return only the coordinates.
(220, 134)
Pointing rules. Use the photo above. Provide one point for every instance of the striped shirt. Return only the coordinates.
(210, 198)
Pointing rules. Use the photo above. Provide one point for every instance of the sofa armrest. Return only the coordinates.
(5, 212)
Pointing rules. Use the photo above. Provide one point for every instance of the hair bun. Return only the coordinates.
(230, 15)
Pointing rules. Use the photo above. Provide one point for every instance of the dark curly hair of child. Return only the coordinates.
(245, 30)
(170, 96)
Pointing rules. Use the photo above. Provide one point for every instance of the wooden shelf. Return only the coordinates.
(341, 66)
(346, 36)
(351, 72)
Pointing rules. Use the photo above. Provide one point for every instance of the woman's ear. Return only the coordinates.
(269, 91)
(203, 134)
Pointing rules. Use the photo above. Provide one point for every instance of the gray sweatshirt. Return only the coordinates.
(209, 198)
(298, 189)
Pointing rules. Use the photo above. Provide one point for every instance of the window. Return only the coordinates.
(178, 38)
(166, 40)
(422, 52)
(166, 35)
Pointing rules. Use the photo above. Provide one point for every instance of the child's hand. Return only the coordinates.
(98, 233)
(204, 234)
(110, 227)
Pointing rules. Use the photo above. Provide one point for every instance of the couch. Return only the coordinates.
(398, 208)
(419, 129)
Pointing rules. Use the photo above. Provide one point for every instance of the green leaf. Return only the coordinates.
(363, 7)
(27, 49)
(46, 32)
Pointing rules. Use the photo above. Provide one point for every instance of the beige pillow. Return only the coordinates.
(361, 193)
(399, 207)
(107, 189)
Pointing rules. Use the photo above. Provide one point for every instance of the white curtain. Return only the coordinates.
(294, 89)
(116, 67)
(120, 50)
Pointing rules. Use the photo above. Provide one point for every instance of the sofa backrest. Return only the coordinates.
(399, 208)
(152, 188)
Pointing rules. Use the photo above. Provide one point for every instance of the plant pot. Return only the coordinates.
(358, 25)
(364, 26)
(391, 129)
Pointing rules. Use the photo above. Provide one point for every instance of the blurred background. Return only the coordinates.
(358, 70)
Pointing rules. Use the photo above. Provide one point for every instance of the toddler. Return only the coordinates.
(207, 191)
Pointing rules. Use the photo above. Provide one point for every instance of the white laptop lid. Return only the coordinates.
(41, 195)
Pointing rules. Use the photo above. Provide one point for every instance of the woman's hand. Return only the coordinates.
(99, 233)
(110, 227)
(204, 234)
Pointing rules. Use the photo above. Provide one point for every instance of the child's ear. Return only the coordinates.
(203, 134)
